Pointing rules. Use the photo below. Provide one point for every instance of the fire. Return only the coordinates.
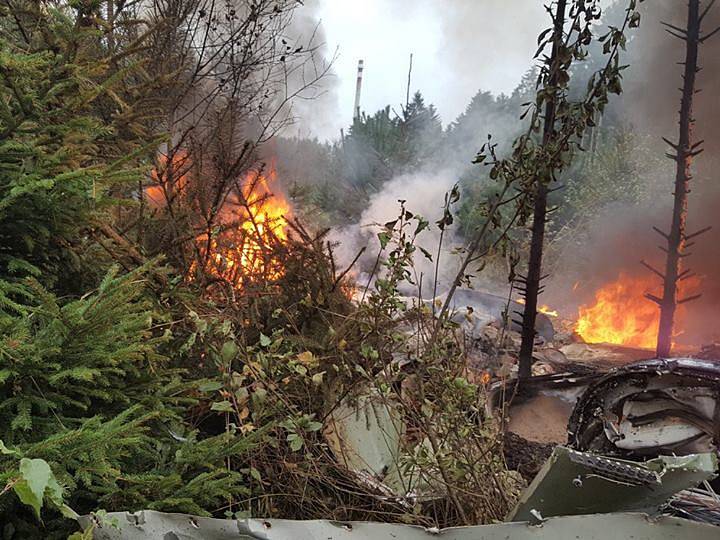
(544, 309)
(246, 230)
(548, 311)
(622, 315)
(253, 224)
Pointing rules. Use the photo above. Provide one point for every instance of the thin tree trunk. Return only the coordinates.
(534, 276)
(684, 151)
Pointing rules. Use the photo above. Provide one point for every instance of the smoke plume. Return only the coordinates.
(622, 235)
(424, 194)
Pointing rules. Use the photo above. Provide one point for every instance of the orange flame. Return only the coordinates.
(548, 311)
(252, 226)
(247, 230)
(544, 309)
(622, 315)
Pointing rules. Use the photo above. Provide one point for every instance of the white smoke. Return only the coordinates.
(424, 195)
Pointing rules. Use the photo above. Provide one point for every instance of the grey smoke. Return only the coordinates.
(622, 235)
(459, 47)
(424, 194)
(482, 38)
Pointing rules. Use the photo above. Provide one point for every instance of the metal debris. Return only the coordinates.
(146, 525)
(574, 483)
(365, 433)
(571, 483)
(650, 407)
(474, 310)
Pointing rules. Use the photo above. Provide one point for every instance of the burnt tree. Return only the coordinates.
(684, 151)
(532, 282)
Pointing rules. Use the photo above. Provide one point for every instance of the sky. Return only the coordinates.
(459, 47)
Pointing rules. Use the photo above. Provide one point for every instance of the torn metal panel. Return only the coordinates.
(365, 434)
(650, 407)
(148, 525)
(151, 525)
(575, 483)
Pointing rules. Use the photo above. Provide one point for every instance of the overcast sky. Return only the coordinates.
(459, 47)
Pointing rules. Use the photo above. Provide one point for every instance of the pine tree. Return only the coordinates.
(84, 381)
(421, 133)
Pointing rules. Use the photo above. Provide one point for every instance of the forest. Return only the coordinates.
(194, 298)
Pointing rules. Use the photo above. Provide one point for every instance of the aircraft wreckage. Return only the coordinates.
(641, 456)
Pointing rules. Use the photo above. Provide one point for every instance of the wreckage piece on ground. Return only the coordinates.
(649, 408)
(576, 496)
(580, 483)
(473, 310)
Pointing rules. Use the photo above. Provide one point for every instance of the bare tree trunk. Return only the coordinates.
(532, 287)
(685, 150)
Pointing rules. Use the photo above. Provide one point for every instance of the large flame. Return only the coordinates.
(247, 228)
(622, 315)
(253, 224)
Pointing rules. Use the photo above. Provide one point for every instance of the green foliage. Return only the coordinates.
(63, 362)
(50, 178)
(89, 403)
(624, 168)
(34, 483)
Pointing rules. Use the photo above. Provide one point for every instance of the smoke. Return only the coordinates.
(313, 111)
(622, 235)
(489, 44)
(459, 46)
(651, 94)
(424, 194)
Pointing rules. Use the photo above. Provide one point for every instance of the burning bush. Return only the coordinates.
(280, 364)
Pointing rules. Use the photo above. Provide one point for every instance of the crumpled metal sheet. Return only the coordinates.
(648, 408)
(149, 525)
(575, 483)
(365, 436)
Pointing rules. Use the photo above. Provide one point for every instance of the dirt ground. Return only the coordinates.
(542, 419)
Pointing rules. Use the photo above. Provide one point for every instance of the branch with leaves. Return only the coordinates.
(554, 133)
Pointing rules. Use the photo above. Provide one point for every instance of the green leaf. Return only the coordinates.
(296, 442)
(300, 369)
(222, 406)
(85, 535)
(5, 450)
(255, 473)
(229, 351)
(36, 477)
(68, 512)
(259, 395)
(210, 386)
(264, 340)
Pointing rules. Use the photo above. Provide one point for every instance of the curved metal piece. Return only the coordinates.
(649, 407)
